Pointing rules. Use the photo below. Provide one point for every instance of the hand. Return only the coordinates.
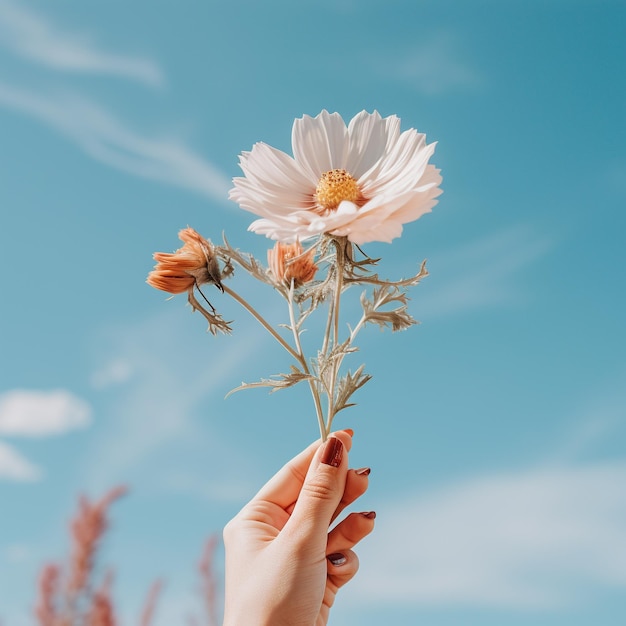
(283, 566)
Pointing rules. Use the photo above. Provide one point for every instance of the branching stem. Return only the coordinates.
(305, 368)
(246, 305)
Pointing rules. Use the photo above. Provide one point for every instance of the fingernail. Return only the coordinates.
(369, 514)
(364, 471)
(336, 558)
(349, 431)
(333, 452)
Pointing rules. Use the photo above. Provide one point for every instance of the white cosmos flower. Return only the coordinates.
(362, 181)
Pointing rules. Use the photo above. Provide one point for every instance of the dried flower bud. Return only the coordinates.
(192, 265)
(288, 261)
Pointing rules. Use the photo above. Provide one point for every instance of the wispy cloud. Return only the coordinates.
(13, 466)
(103, 137)
(17, 553)
(597, 422)
(175, 372)
(540, 538)
(34, 37)
(31, 413)
(115, 372)
(435, 66)
(482, 273)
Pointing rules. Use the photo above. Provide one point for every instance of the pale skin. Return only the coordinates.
(277, 568)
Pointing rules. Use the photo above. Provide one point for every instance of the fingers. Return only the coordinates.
(322, 491)
(342, 567)
(356, 485)
(350, 531)
(284, 487)
(342, 562)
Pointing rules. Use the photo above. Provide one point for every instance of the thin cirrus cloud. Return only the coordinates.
(31, 36)
(538, 539)
(435, 66)
(104, 138)
(14, 467)
(483, 273)
(115, 372)
(96, 131)
(174, 374)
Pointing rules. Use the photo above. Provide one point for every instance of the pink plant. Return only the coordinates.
(101, 612)
(208, 580)
(46, 610)
(151, 601)
(73, 599)
(70, 596)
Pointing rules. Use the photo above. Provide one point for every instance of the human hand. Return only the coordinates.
(283, 566)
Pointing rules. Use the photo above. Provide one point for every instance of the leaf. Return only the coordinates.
(347, 386)
(246, 261)
(327, 363)
(374, 279)
(397, 318)
(216, 322)
(277, 382)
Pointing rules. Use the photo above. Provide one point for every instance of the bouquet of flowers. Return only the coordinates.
(345, 186)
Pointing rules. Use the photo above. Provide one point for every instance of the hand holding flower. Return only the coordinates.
(283, 566)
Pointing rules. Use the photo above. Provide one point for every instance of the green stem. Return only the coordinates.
(263, 322)
(329, 325)
(357, 328)
(340, 256)
(314, 390)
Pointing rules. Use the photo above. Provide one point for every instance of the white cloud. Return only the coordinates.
(540, 538)
(40, 413)
(104, 138)
(37, 39)
(13, 466)
(482, 274)
(434, 66)
(115, 372)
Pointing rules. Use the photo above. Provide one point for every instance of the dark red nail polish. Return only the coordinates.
(369, 514)
(364, 471)
(333, 452)
(336, 558)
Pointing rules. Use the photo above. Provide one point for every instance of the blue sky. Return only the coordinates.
(495, 429)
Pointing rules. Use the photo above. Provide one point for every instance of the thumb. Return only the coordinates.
(322, 491)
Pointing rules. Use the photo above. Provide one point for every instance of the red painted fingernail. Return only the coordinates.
(364, 471)
(349, 431)
(369, 514)
(333, 452)
(336, 558)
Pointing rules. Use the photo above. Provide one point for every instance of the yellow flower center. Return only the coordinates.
(334, 187)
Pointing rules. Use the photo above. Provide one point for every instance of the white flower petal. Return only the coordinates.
(391, 169)
(368, 140)
(273, 181)
(320, 143)
(265, 164)
(392, 124)
(423, 199)
(402, 167)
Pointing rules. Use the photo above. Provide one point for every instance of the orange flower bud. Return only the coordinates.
(288, 261)
(192, 265)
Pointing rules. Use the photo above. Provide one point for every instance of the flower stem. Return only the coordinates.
(336, 363)
(246, 305)
(312, 383)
